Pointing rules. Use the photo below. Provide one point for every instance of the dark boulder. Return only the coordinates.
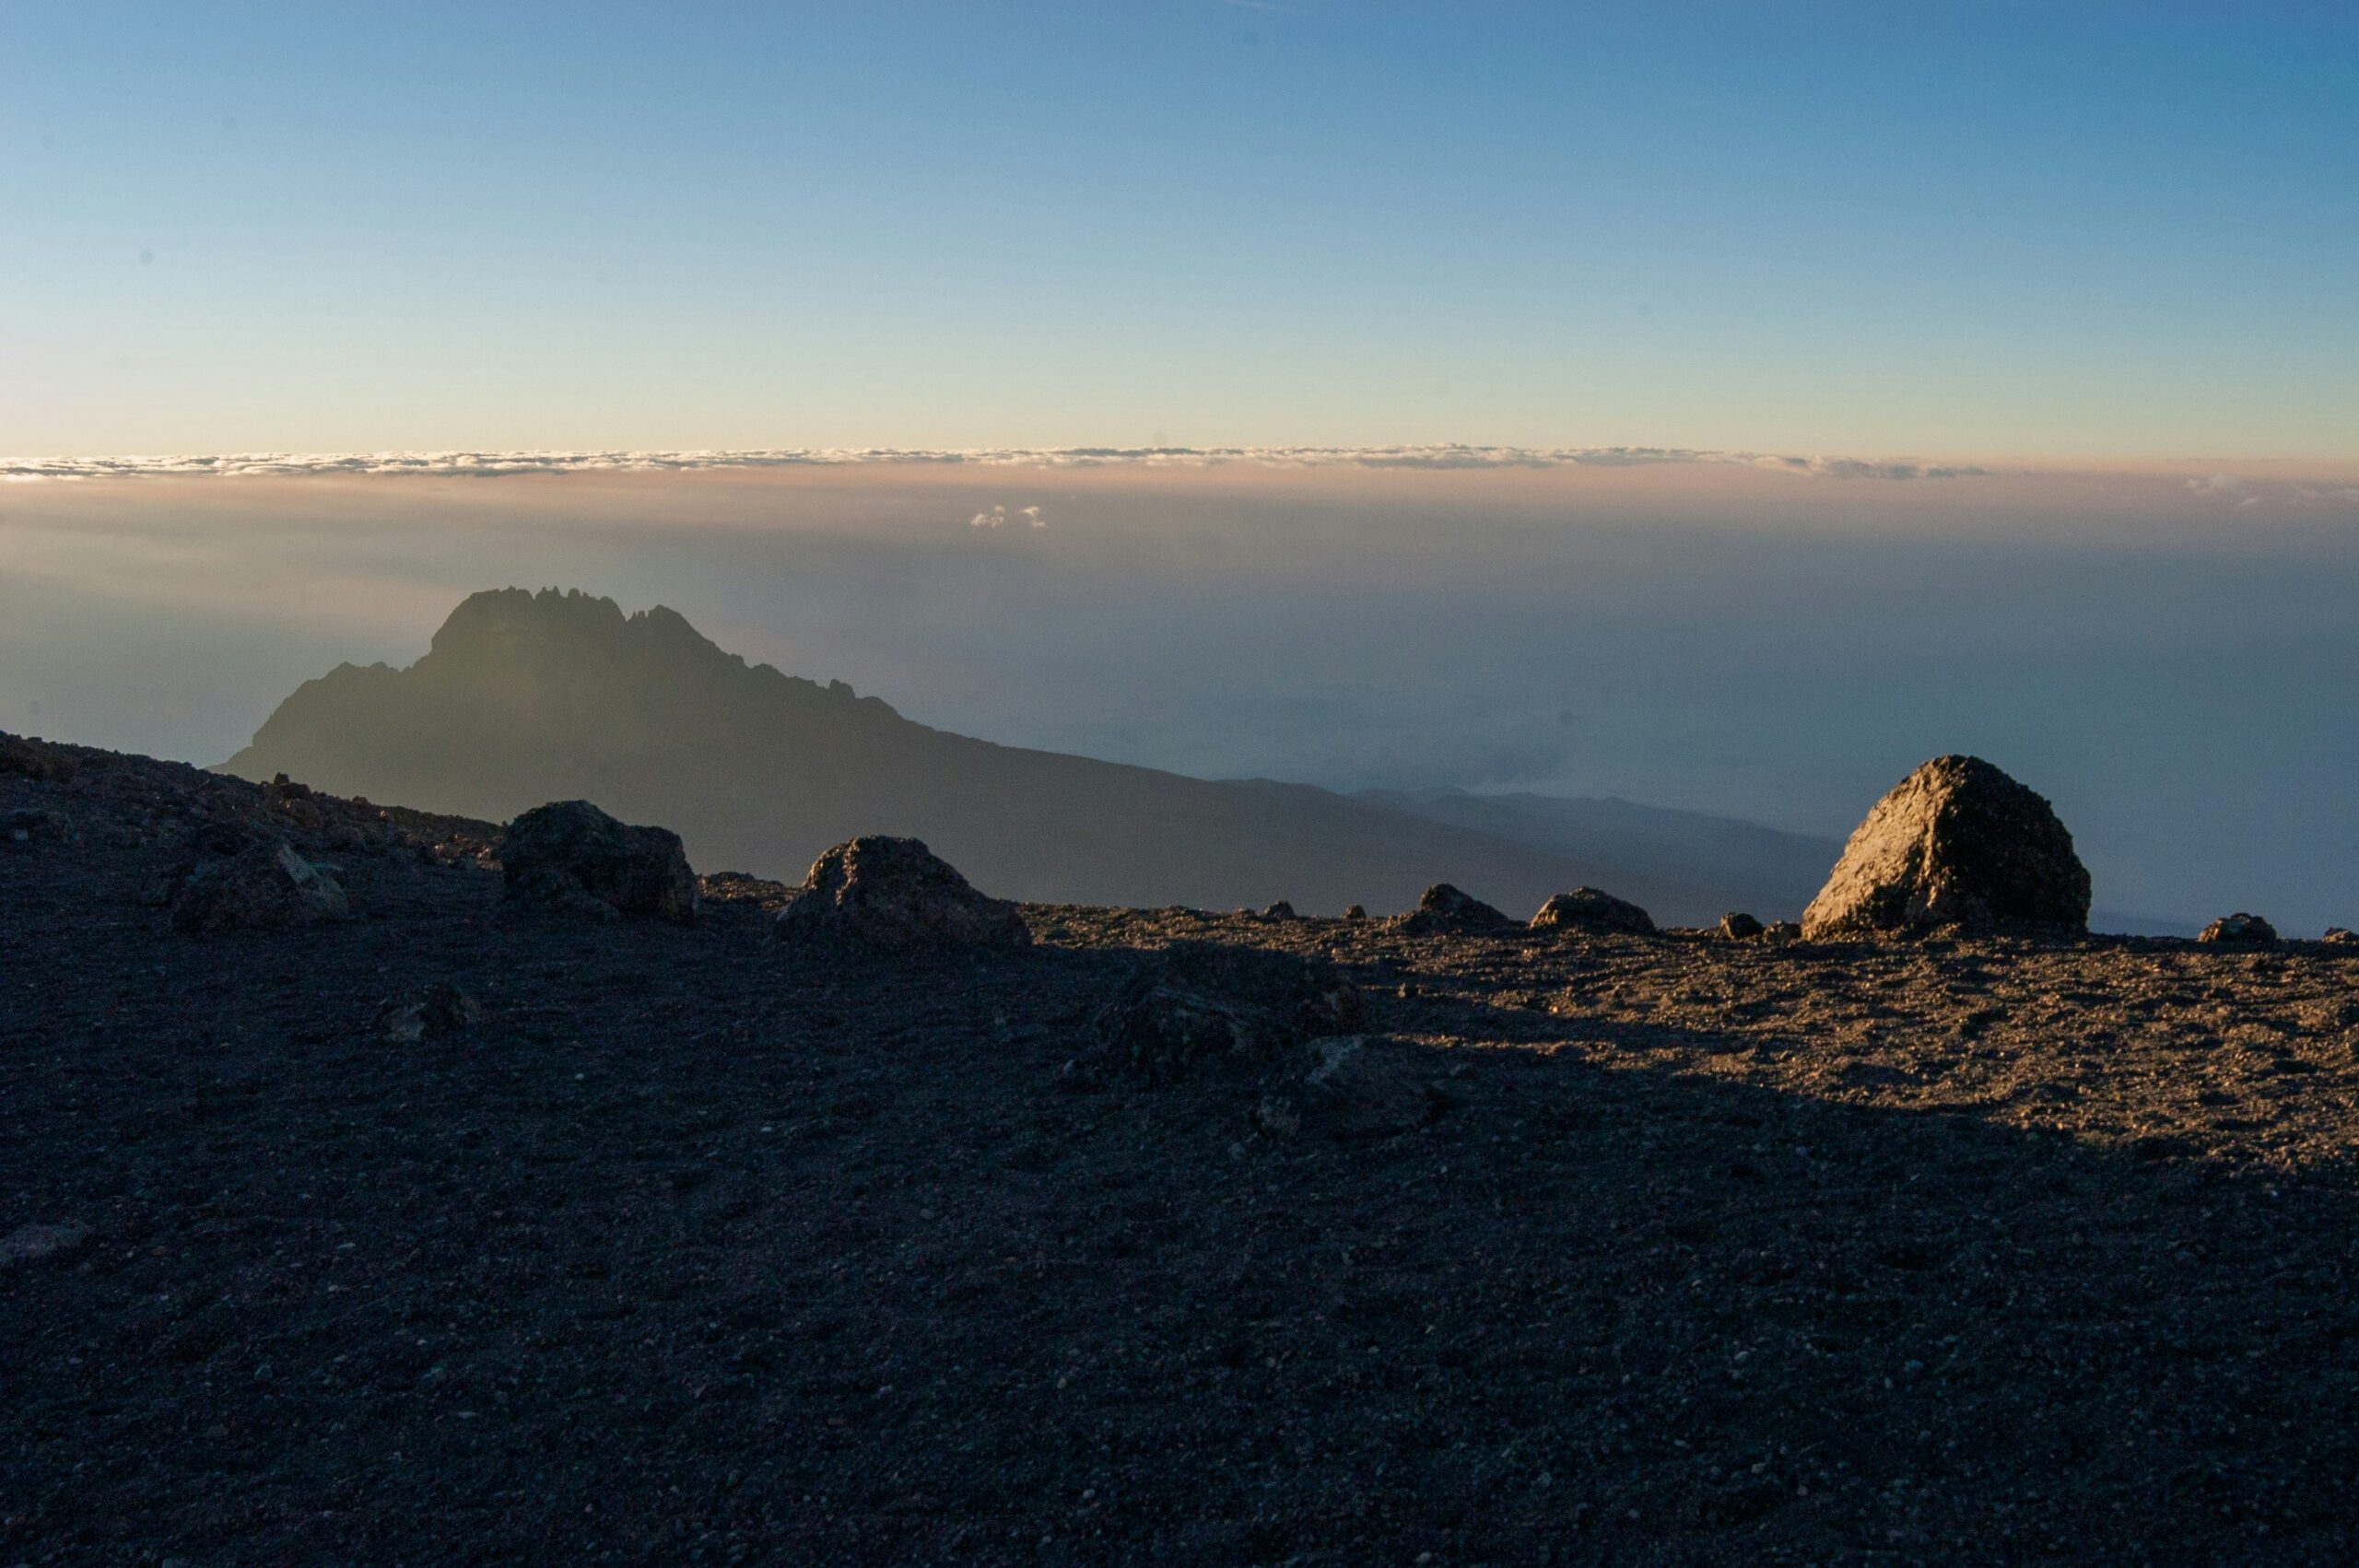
(253, 883)
(1588, 909)
(1355, 912)
(1738, 926)
(442, 1011)
(1444, 908)
(894, 895)
(1956, 843)
(1347, 1087)
(1281, 910)
(569, 855)
(2239, 929)
(1198, 1004)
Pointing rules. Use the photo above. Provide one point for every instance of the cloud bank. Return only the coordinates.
(498, 464)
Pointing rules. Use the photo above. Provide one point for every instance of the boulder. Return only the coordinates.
(32, 1243)
(1444, 909)
(894, 895)
(36, 760)
(1956, 843)
(2239, 929)
(1281, 910)
(1345, 1087)
(1198, 1004)
(265, 886)
(2340, 936)
(1738, 926)
(442, 1011)
(1783, 930)
(569, 855)
(1588, 909)
(1355, 912)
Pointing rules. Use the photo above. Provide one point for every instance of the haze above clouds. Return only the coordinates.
(2171, 665)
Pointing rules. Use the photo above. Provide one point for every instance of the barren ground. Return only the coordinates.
(697, 1250)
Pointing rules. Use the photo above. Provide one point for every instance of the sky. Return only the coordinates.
(1951, 233)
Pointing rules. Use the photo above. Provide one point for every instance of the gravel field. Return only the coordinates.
(688, 1246)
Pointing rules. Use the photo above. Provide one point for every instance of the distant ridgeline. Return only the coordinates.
(526, 697)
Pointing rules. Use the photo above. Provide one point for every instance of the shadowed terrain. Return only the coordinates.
(689, 1244)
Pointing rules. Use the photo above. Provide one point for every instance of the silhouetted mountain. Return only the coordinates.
(526, 697)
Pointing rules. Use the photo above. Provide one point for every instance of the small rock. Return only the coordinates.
(1738, 926)
(1198, 1004)
(1956, 843)
(894, 895)
(2239, 929)
(1354, 912)
(1343, 1088)
(1281, 910)
(31, 1244)
(1444, 908)
(442, 1011)
(1588, 909)
(265, 886)
(569, 855)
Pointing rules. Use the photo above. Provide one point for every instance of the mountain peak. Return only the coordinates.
(508, 625)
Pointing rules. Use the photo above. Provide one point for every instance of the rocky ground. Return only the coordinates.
(680, 1244)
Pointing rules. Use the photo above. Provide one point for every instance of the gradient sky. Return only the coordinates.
(1897, 229)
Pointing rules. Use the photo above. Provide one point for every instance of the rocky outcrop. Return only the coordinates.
(253, 882)
(894, 895)
(2239, 929)
(569, 855)
(1197, 1005)
(1956, 843)
(1445, 909)
(1588, 909)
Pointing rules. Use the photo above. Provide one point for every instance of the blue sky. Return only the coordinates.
(1900, 230)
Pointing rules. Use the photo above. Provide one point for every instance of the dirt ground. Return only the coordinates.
(698, 1248)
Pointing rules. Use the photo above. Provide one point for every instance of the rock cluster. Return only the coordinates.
(569, 855)
(1444, 909)
(1198, 1004)
(1956, 843)
(896, 895)
(1588, 909)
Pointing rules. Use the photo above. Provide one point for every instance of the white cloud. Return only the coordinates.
(496, 465)
(2218, 484)
(1000, 517)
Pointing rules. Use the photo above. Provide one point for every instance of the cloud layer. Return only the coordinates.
(497, 464)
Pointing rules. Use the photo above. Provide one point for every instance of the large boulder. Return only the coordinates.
(894, 895)
(1588, 909)
(2239, 929)
(569, 855)
(1197, 1004)
(1956, 843)
(1444, 909)
(261, 885)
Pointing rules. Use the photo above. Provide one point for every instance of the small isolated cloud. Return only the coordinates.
(2218, 484)
(1001, 517)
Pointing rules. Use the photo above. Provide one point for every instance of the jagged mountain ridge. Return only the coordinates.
(524, 697)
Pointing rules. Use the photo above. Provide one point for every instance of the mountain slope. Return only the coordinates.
(526, 697)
